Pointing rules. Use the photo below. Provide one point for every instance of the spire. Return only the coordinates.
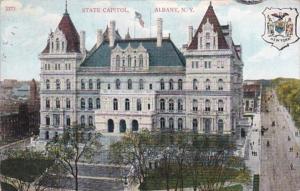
(210, 4)
(127, 36)
(66, 7)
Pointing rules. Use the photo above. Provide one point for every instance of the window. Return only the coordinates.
(220, 126)
(118, 84)
(127, 104)
(140, 61)
(171, 105)
(171, 123)
(110, 126)
(180, 84)
(115, 104)
(207, 84)
(57, 103)
(47, 119)
(162, 104)
(129, 61)
(180, 124)
(68, 103)
(98, 84)
(207, 105)
(90, 84)
(162, 123)
(129, 84)
(47, 84)
(207, 64)
(90, 100)
(82, 84)
(68, 121)
(195, 84)
(47, 103)
(57, 84)
(195, 105)
(82, 121)
(82, 103)
(162, 84)
(90, 121)
(141, 84)
(195, 125)
(207, 36)
(118, 61)
(220, 105)
(150, 86)
(135, 125)
(149, 106)
(56, 120)
(62, 46)
(68, 84)
(57, 44)
(134, 61)
(180, 105)
(138, 105)
(207, 45)
(108, 86)
(98, 103)
(220, 84)
(171, 86)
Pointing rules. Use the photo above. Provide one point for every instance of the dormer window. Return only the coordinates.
(129, 61)
(118, 61)
(57, 45)
(140, 61)
(207, 36)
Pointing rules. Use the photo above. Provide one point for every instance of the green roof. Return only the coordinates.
(166, 55)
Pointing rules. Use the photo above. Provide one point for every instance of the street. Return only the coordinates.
(280, 166)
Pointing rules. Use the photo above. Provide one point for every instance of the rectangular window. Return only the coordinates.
(150, 86)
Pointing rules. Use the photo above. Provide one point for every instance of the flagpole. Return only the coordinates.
(150, 23)
(134, 28)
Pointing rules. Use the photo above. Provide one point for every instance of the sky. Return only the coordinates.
(25, 26)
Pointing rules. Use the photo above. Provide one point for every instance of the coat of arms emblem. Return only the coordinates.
(280, 26)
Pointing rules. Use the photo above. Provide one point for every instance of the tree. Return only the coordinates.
(77, 143)
(24, 170)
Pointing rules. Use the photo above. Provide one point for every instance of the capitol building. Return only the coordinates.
(126, 84)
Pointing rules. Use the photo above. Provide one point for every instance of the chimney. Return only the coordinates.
(190, 34)
(159, 32)
(99, 37)
(111, 33)
(82, 42)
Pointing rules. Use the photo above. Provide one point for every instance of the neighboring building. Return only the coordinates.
(141, 83)
(251, 98)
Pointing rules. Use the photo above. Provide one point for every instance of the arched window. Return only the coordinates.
(129, 61)
(68, 103)
(195, 105)
(47, 119)
(207, 84)
(162, 104)
(122, 126)
(90, 84)
(90, 100)
(68, 84)
(57, 84)
(171, 84)
(162, 123)
(90, 121)
(134, 61)
(180, 105)
(82, 121)
(171, 105)
(110, 126)
(162, 84)
(82, 103)
(180, 124)
(135, 125)
(141, 84)
(47, 84)
(115, 103)
(140, 60)
(57, 102)
(138, 105)
(129, 84)
(98, 84)
(47, 135)
(127, 104)
(220, 84)
(207, 105)
(195, 84)
(47, 103)
(68, 121)
(171, 123)
(118, 61)
(220, 105)
(195, 125)
(180, 84)
(57, 44)
(82, 84)
(98, 103)
(220, 126)
(118, 84)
